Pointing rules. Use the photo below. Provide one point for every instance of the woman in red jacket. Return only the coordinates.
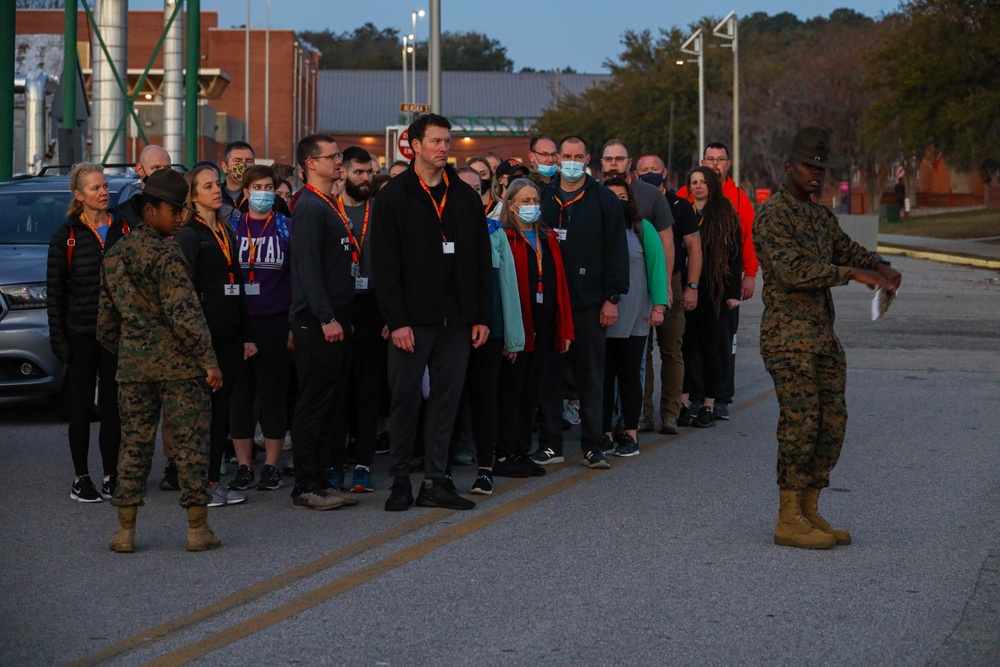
(548, 327)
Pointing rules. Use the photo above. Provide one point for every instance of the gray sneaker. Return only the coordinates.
(721, 411)
(317, 500)
(223, 496)
(627, 447)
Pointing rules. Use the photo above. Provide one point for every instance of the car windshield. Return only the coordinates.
(31, 217)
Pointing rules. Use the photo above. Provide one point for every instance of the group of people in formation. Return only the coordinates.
(435, 314)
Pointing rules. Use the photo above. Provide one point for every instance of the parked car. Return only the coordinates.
(31, 209)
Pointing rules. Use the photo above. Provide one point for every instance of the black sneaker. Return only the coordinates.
(509, 466)
(170, 482)
(721, 411)
(83, 491)
(534, 470)
(628, 446)
(382, 443)
(270, 479)
(685, 417)
(400, 495)
(243, 479)
(483, 484)
(438, 493)
(596, 459)
(607, 444)
(108, 487)
(704, 418)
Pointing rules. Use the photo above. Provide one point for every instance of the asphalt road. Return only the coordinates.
(666, 559)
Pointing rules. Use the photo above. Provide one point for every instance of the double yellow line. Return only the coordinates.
(328, 591)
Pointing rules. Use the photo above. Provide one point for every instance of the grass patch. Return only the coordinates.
(960, 225)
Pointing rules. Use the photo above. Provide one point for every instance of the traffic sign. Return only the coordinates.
(406, 107)
(404, 145)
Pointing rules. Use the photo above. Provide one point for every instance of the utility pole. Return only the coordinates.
(434, 58)
(695, 45)
(727, 29)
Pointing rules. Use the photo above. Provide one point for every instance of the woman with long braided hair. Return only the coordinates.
(718, 290)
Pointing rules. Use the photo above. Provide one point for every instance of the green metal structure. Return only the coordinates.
(192, 63)
(8, 13)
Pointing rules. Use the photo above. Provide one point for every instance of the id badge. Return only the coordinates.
(561, 234)
(448, 247)
(538, 298)
(360, 283)
(231, 290)
(355, 270)
(251, 289)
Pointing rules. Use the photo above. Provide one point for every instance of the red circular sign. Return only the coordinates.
(404, 145)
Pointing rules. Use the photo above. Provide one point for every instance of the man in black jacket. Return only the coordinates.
(589, 222)
(435, 290)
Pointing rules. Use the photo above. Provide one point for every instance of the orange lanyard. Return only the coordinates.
(563, 207)
(538, 254)
(93, 228)
(438, 208)
(252, 250)
(223, 240)
(489, 207)
(342, 214)
(364, 225)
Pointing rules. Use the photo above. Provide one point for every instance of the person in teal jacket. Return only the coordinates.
(643, 306)
(506, 339)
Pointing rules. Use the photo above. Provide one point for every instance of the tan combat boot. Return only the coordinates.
(200, 536)
(810, 510)
(792, 529)
(123, 541)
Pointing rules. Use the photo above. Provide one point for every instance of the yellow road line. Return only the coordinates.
(941, 257)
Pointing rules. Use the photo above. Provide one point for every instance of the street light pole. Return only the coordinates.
(727, 29)
(695, 46)
(406, 94)
(434, 58)
(413, 40)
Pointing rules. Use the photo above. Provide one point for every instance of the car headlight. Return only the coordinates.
(21, 297)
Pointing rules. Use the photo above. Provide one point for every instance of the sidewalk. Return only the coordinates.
(982, 253)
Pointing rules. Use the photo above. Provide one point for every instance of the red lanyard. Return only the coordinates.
(438, 208)
(252, 250)
(538, 254)
(93, 227)
(364, 225)
(489, 207)
(223, 240)
(342, 214)
(563, 207)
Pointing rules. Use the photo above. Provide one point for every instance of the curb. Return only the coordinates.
(978, 262)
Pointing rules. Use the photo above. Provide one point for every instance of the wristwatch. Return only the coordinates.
(692, 285)
(614, 299)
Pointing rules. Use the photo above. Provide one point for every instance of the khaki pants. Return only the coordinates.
(669, 337)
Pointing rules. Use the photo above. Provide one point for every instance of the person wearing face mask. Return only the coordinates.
(504, 174)
(548, 326)
(543, 159)
(482, 167)
(236, 158)
(590, 226)
(262, 380)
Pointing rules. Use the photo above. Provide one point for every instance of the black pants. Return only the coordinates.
(319, 424)
(229, 354)
(702, 338)
(367, 379)
(444, 350)
(480, 393)
(586, 358)
(520, 388)
(91, 365)
(727, 351)
(261, 385)
(622, 361)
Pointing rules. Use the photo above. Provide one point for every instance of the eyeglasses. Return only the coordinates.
(715, 160)
(552, 156)
(336, 157)
(615, 158)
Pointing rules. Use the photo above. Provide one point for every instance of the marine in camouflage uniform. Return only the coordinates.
(803, 253)
(149, 314)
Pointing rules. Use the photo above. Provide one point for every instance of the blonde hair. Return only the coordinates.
(76, 175)
(192, 176)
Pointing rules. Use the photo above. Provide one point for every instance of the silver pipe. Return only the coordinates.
(109, 100)
(434, 58)
(246, 79)
(173, 81)
(267, 82)
(296, 127)
(34, 119)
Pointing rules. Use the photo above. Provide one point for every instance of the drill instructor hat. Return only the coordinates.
(811, 145)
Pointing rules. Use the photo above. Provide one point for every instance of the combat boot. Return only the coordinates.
(792, 529)
(123, 541)
(200, 536)
(810, 510)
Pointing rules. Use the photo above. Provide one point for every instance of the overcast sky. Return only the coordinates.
(543, 34)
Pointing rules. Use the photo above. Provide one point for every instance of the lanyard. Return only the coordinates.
(223, 240)
(489, 207)
(538, 254)
(438, 208)
(93, 227)
(252, 250)
(364, 225)
(342, 214)
(563, 207)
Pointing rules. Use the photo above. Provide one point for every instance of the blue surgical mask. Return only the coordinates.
(548, 170)
(528, 213)
(572, 171)
(261, 200)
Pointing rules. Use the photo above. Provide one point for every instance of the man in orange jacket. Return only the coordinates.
(716, 158)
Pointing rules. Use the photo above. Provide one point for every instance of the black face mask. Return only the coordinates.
(626, 209)
(484, 185)
(652, 178)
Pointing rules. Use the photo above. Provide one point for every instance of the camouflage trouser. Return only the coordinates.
(187, 409)
(812, 416)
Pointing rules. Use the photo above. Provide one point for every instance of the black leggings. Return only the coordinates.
(261, 385)
(520, 388)
(229, 354)
(622, 360)
(481, 393)
(91, 365)
(703, 333)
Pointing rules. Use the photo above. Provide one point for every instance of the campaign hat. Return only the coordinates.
(811, 145)
(168, 185)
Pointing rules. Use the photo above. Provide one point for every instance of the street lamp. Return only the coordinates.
(413, 15)
(695, 46)
(406, 93)
(727, 30)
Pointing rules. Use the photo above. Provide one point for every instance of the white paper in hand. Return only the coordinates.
(881, 302)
